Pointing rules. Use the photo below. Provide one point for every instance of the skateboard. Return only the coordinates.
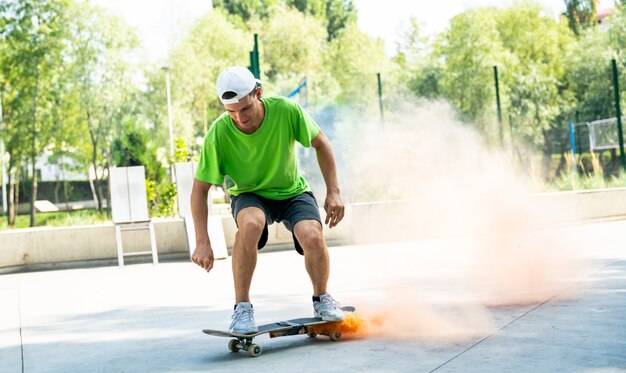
(279, 329)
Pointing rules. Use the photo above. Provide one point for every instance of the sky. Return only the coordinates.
(160, 23)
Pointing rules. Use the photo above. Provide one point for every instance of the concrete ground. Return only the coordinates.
(443, 305)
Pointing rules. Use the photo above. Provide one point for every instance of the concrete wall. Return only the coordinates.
(587, 205)
(35, 247)
(384, 222)
(49, 245)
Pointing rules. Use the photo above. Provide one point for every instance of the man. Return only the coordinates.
(253, 143)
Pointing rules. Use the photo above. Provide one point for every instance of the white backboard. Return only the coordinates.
(185, 173)
(129, 203)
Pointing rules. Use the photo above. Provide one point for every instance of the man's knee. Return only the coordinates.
(250, 223)
(310, 236)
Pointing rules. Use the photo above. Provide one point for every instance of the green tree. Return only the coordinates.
(35, 31)
(131, 146)
(213, 44)
(534, 77)
(101, 46)
(581, 14)
(588, 71)
(616, 32)
(316, 8)
(354, 59)
(292, 46)
(13, 104)
(246, 9)
(470, 48)
(529, 48)
(589, 68)
(339, 15)
(419, 69)
(336, 14)
(64, 135)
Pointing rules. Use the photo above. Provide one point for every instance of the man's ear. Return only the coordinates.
(258, 92)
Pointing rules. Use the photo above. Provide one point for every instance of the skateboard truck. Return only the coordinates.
(245, 344)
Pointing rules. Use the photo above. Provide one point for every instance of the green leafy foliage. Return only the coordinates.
(161, 198)
(588, 68)
(61, 219)
(131, 148)
(213, 44)
(529, 49)
(292, 45)
(181, 152)
(33, 33)
(418, 66)
(585, 181)
(470, 47)
(246, 9)
(340, 14)
(354, 58)
(335, 14)
(580, 14)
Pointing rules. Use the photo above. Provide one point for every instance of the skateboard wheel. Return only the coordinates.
(311, 334)
(233, 345)
(255, 350)
(335, 336)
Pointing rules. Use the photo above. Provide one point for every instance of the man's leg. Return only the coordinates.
(250, 222)
(310, 236)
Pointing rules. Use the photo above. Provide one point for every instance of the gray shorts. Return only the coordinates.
(288, 211)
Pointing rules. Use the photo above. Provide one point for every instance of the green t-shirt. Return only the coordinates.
(263, 162)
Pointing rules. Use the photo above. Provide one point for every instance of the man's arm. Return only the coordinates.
(203, 254)
(332, 205)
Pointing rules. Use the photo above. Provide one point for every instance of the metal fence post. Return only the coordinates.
(572, 138)
(254, 67)
(380, 100)
(618, 110)
(495, 75)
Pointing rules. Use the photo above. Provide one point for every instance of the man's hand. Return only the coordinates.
(334, 209)
(203, 256)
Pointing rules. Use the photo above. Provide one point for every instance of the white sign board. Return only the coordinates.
(129, 203)
(185, 173)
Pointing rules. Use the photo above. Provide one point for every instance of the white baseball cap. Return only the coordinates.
(238, 80)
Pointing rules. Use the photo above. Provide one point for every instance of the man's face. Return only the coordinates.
(247, 113)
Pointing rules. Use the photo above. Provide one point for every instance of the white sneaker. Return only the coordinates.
(328, 308)
(243, 319)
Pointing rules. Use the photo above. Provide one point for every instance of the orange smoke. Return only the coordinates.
(418, 321)
(485, 238)
(405, 316)
(353, 326)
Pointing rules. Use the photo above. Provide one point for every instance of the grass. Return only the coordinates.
(59, 219)
(590, 177)
(571, 181)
